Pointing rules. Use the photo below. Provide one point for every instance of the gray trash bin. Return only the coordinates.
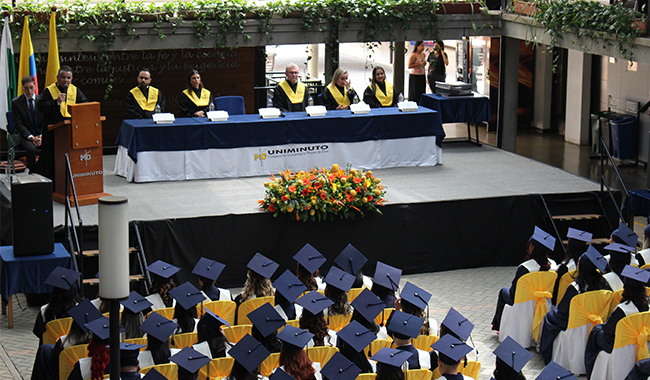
(597, 129)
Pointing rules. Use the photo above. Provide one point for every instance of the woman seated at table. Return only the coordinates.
(194, 100)
(338, 95)
(380, 93)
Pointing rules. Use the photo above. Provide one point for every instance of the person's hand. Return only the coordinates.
(398, 304)
(341, 107)
(347, 84)
(62, 97)
(199, 114)
(36, 140)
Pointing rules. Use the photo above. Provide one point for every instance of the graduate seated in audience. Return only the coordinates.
(367, 306)
(386, 283)
(248, 354)
(133, 316)
(64, 296)
(539, 246)
(590, 266)
(634, 300)
(351, 341)
(643, 256)
(260, 270)
(338, 95)
(129, 363)
(309, 260)
(576, 246)
(185, 314)
(511, 359)
(195, 99)
(312, 318)
(456, 325)
(619, 256)
(161, 283)
(293, 359)
(390, 362)
(210, 330)
(380, 93)
(158, 329)
(287, 289)
(189, 363)
(208, 272)
(403, 327)
(338, 284)
(413, 300)
(98, 352)
(450, 352)
(339, 368)
(266, 322)
(351, 261)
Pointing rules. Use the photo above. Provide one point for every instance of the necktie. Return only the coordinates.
(32, 115)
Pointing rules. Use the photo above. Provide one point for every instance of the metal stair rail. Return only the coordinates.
(74, 233)
(605, 154)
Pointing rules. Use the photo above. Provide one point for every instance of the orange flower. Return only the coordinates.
(318, 185)
(305, 192)
(356, 180)
(370, 198)
(284, 198)
(331, 177)
(292, 189)
(350, 197)
(271, 207)
(322, 195)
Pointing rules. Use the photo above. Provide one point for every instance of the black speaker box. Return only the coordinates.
(31, 210)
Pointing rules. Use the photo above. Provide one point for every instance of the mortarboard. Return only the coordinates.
(295, 336)
(190, 359)
(415, 295)
(99, 328)
(356, 335)
(62, 278)
(368, 305)
(625, 235)
(635, 276)
(207, 268)
(130, 350)
(163, 269)
(314, 302)
(620, 248)
(387, 276)
(458, 324)
(266, 319)
(158, 326)
(153, 375)
(450, 349)
(310, 258)
(555, 371)
(136, 303)
(391, 356)
(249, 353)
(340, 368)
(262, 265)
(513, 354)
(187, 295)
(280, 374)
(350, 260)
(214, 320)
(543, 238)
(289, 286)
(84, 312)
(576, 235)
(405, 324)
(339, 279)
(595, 258)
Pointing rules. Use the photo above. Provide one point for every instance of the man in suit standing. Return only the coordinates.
(28, 121)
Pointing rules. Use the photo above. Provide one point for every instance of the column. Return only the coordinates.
(579, 97)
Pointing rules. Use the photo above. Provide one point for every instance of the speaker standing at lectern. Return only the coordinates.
(54, 104)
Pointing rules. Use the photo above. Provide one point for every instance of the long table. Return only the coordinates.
(460, 109)
(247, 145)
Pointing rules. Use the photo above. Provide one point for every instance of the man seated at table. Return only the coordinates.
(141, 101)
(291, 95)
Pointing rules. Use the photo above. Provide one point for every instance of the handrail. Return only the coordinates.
(76, 237)
(550, 216)
(603, 182)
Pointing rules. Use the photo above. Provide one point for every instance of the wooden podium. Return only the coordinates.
(80, 137)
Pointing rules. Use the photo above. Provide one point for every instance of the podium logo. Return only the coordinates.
(85, 157)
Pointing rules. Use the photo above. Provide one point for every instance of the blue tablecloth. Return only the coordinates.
(459, 109)
(27, 274)
(295, 128)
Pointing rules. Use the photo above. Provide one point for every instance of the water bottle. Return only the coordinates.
(157, 110)
(269, 103)
(400, 98)
(211, 106)
(356, 99)
(310, 102)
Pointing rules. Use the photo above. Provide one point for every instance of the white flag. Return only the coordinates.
(7, 74)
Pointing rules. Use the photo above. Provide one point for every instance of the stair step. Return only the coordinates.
(577, 217)
(593, 241)
(95, 281)
(95, 252)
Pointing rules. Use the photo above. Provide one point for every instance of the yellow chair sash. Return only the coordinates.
(250, 305)
(424, 342)
(366, 376)
(203, 101)
(55, 329)
(536, 286)
(224, 309)
(337, 322)
(376, 345)
(353, 293)
(220, 368)
(148, 104)
(321, 354)
(418, 374)
(269, 364)
(634, 329)
(564, 283)
(382, 317)
(71, 97)
(341, 99)
(294, 97)
(69, 357)
(235, 333)
(472, 369)
(386, 99)
(184, 340)
(589, 308)
(169, 370)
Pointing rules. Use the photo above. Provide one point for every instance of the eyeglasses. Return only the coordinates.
(293, 72)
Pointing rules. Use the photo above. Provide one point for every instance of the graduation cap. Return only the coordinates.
(339, 279)
(368, 305)
(130, 350)
(100, 328)
(387, 276)
(262, 265)
(62, 278)
(295, 336)
(340, 368)
(405, 324)
(513, 354)
(578, 237)
(351, 260)
(450, 349)
(136, 303)
(214, 320)
(153, 375)
(625, 235)
(415, 295)
(544, 238)
(158, 326)
(620, 248)
(249, 352)
(595, 258)
(314, 302)
(207, 268)
(392, 356)
(356, 335)
(84, 312)
(266, 319)
(554, 371)
(187, 295)
(289, 286)
(635, 276)
(280, 374)
(163, 269)
(309, 258)
(458, 324)
(190, 359)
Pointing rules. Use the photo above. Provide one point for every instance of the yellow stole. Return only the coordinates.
(204, 101)
(71, 97)
(386, 99)
(294, 97)
(148, 104)
(341, 99)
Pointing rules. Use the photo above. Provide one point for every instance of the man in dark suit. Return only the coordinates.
(28, 121)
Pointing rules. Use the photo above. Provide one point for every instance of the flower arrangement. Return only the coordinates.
(321, 194)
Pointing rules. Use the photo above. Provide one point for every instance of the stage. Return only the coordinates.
(477, 209)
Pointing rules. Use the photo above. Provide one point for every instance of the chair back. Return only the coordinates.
(424, 342)
(564, 283)
(224, 309)
(11, 127)
(418, 374)
(376, 345)
(250, 305)
(472, 369)
(294, 322)
(589, 308)
(320, 99)
(383, 316)
(168, 370)
(538, 287)
(269, 364)
(142, 341)
(167, 312)
(183, 340)
(366, 376)
(634, 329)
(233, 104)
(235, 333)
(353, 293)
(337, 322)
(55, 329)
(220, 368)
(321, 354)
(69, 357)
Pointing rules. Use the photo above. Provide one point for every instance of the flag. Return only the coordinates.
(27, 64)
(52, 54)
(7, 74)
